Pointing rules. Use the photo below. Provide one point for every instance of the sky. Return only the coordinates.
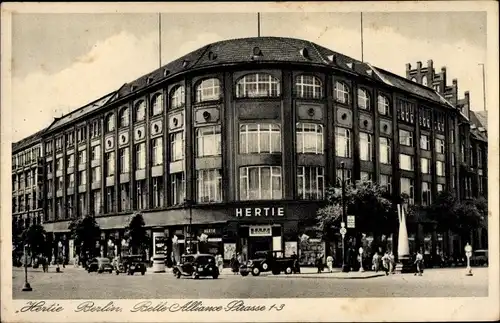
(60, 62)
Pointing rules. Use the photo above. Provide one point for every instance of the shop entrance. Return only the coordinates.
(259, 244)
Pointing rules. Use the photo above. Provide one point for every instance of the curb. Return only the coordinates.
(324, 277)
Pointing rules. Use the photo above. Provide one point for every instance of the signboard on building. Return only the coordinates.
(159, 244)
(260, 231)
(260, 212)
(351, 222)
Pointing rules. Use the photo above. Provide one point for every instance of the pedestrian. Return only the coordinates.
(75, 261)
(375, 262)
(220, 263)
(386, 263)
(392, 262)
(329, 263)
(45, 264)
(319, 263)
(296, 266)
(419, 262)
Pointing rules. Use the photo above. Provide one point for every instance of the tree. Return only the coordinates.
(17, 241)
(85, 233)
(35, 237)
(138, 239)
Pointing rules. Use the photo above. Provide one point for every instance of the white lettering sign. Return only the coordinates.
(260, 212)
(260, 231)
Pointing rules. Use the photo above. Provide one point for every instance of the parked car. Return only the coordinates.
(100, 265)
(196, 266)
(131, 264)
(479, 258)
(263, 261)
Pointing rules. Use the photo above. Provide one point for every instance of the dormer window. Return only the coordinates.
(140, 111)
(257, 86)
(177, 97)
(208, 90)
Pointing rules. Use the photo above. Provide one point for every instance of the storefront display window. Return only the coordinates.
(229, 250)
(310, 250)
(290, 248)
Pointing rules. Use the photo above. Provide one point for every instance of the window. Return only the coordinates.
(124, 160)
(424, 80)
(49, 167)
(343, 142)
(439, 120)
(95, 129)
(96, 201)
(110, 164)
(383, 105)
(347, 176)
(425, 166)
(440, 168)
(48, 148)
(208, 90)
(208, 141)
(157, 151)
(366, 176)
(177, 188)
(262, 138)
(386, 181)
(82, 204)
(157, 104)
(385, 150)
(177, 98)
(209, 187)
(479, 158)
(70, 139)
(59, 208)
(110, 197)
(59, 183)
(471, 156)
(365, 146)
(21, 181)
(70, 181)
(452, 136)
(82, 157)
(124, 117)
(59, 143)
(177, 146)
(341, 92)
(405, 138)
(440, 146)
(413, 79)
(257, 86)
(405, 110)
(70, 162)
(82, 177)
(140, 111)
(96, 174)
(405, 162)
(408, 188)
(124, 197)
(363, 99)
(140, 156)
(260, 183)
(424, 142)
(453, 159)
(440, 188)
(158, 192)
(436, 87)
(462, 152)
(426, 193)
(110, 122)
(425, 118)
(308, 87)
(81, 134)
(59, 164)
(310, 138)
(310, 183)
(480, 185)
(96, 153)
(141, 196)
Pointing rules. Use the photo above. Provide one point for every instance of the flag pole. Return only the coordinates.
(159, 39)
(258, 24)
(362, 45)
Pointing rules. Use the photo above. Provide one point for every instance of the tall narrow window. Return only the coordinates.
(157, 153)
(96, 202)
(310, 138)
(124, 117)
(365, 146)
(70, 181)
(124, 160)
(177, 146)
(440, 168)
(110, 199)
(424, 142)
(110, 164)
(341, 92)
(405, 138)
(82, 204)
(96, 153)
(82, 178)
(124, 197)
(407, 187)
(141, 195)
(140, 111)
(310, 183)
(82, 157)
(208, 141)
(308, 87)
(406, 162)
(425, 166)
(385, 150)
(158, 192)
(260, 138)
(177, 188)
(209, 188)
(363, 99)
(96, 174)
(386, 181)
(140, 156)
(257, 85)
(440, 146)
(157, 104)
(208, 90)
(177, 97)
(110, 122)
(426, 193)
(343, 142)
(260, 183)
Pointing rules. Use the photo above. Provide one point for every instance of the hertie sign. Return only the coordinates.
(260, 212)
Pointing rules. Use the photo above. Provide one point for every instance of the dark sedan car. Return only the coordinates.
(196, 266)
(100, 265)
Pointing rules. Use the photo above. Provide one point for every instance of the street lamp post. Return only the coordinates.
(190, 228)
(345, 267)
(27, 287)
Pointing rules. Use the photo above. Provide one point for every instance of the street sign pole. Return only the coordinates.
(343, 231)
(361, 269)
(468, 254)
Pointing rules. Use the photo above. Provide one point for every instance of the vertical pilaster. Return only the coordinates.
(229, 147)
(287, 137)
(330, 171)
(189, 143)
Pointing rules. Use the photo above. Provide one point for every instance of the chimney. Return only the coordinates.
(408, 69)
(419, 65)
(430, 64)
(443, 76)
(430, 71)
(467, 104)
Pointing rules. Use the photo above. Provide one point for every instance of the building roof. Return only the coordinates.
(28, 141)
(479, 129)
(482, 118)
(256, 50)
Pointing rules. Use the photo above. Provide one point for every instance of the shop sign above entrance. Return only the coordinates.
(260, 212)
(260, 231)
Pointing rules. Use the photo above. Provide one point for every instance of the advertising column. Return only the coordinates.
(159, 251)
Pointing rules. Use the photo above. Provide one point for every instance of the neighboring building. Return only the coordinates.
(27, 182)
(241, 137)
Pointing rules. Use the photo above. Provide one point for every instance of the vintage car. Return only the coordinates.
(196, 266)
(100, 265)
(272, 261)
(479, 258)
(131, 264)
